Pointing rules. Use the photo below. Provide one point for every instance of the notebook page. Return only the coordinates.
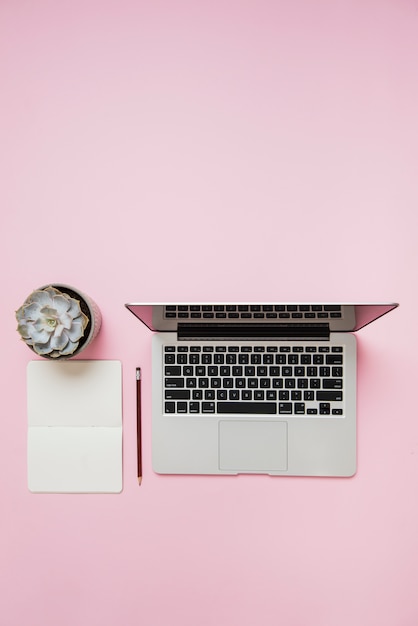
(74, 426)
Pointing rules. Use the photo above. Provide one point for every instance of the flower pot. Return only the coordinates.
(58, 325)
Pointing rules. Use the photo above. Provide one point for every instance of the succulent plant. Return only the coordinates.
(51, 322)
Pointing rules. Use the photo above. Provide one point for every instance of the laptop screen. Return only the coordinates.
(336, 317)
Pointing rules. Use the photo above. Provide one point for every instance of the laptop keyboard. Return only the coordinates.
(292, 380)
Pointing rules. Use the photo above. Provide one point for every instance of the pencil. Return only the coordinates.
(138, 423)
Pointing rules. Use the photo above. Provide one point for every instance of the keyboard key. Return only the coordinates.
(244, 408)
(174, 382)
(208, 407)
(332, 383)
(289, 383)
(334, 359)
(330, 396)
(177, 394)
(285, 408)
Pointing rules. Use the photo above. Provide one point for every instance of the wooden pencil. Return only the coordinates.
(138, 423)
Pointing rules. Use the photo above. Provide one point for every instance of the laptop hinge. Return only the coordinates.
(254, 331)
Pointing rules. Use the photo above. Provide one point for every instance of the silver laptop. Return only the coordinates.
(255, 388)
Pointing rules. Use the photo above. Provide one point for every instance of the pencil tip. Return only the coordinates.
(139, 480)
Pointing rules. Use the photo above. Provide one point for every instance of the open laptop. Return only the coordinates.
(255, 388)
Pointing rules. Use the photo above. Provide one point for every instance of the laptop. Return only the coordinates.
(255, 388)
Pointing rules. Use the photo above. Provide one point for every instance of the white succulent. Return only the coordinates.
(51, 322)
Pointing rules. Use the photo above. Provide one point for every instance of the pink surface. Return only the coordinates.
(255, 150)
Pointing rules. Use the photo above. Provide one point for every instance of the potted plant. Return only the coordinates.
(58, 321)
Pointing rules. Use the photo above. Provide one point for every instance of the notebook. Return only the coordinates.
(255, 388)
(74, 426)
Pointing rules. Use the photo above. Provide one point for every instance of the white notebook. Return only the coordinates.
(74, 426)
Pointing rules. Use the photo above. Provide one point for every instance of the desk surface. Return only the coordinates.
(227, 152)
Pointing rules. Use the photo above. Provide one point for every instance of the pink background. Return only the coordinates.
(233, 151)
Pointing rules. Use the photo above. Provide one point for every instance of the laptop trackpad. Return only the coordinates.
(252, 446)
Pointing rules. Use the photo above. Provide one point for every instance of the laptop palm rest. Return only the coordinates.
(252, 446)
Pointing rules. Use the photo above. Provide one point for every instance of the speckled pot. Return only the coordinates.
(89, 308)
